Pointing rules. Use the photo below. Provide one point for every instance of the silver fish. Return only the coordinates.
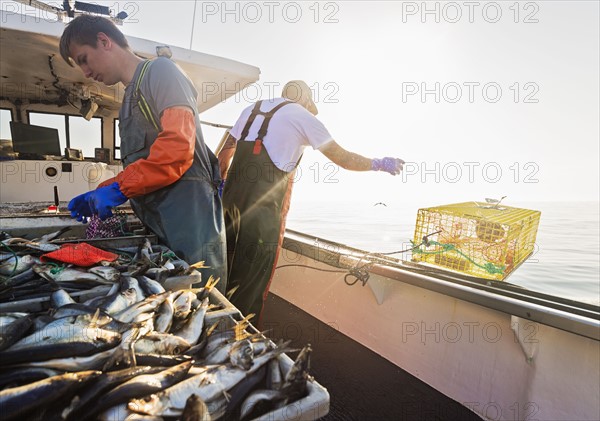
(256, 397)
(6, 318)
(140, 417)
(91, 362)
(96, 318)
(164, 317)
(294, 385)
(114, 303)
(175, 283)
(41, 322)
(13, 331)
(161, 343)
(46, 238)
(274, 377)
(11, 265)
(114, 289)
(241, 354)
(92, 400)
(24, 375)
(150, 304)
(183, 304)
(192, 329)
(150, 286)
(142, 257)
(128, 282)
(18, 401)
(60, 298)
(116, 413)
(161, 360)
(195, 410)
(107, 272)
(146, 384)
(217, 338)
(68, 275)
(60, 341)
(209, 386)
(125, 355)
(158, 274)
(22, 242)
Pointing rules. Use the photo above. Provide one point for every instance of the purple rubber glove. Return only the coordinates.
(221, 187)
(387, 164)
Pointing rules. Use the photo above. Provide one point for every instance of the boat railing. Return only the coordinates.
(569, 315)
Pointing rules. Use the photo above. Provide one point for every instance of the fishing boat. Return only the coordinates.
(464, 346)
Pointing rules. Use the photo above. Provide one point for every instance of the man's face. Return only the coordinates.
(96, 63)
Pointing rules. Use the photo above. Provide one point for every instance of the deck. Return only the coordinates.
(362, 385)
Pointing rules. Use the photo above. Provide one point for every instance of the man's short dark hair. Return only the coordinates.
(84, 30)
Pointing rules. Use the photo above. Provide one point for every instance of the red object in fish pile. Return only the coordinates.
(81, 254)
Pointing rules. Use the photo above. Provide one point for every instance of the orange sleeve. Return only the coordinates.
(171, 154)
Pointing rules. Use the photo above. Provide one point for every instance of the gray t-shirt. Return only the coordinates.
(164, 86)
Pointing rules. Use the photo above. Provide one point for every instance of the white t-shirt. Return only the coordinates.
(292, 128)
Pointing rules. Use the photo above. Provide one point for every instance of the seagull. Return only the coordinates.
(487, 199)
(380, 203)
(495, 202)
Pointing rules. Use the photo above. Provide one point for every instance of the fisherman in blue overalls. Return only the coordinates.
(170, 176)
(266, 144)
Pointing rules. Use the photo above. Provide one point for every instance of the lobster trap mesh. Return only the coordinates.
(476, 239)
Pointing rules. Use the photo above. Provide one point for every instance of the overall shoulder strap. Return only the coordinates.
(143, 104)
(255, 111)
(262, 132)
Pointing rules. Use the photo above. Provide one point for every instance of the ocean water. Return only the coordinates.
(565, 261)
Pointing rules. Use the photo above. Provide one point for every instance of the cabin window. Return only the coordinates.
(85, 135)
(73, 131)
(5, 119)
(54, 121)
(117, 137)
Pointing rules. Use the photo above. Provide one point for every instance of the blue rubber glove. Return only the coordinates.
(99, 201)
(80, 208)
(387, 164)
(103, 199)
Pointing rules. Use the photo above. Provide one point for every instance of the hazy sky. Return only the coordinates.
(481, 99)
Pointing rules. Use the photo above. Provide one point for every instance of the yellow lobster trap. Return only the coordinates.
(478, 239)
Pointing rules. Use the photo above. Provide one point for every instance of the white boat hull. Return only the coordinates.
(501, 366)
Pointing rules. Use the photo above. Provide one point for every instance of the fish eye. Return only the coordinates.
(176, 350)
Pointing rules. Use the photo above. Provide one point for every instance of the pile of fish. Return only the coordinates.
(150, 347)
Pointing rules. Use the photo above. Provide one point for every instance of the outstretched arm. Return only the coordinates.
(355, 162)
(345, 159)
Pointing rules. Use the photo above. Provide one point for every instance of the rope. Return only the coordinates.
(15, 256)
(357, 272)
(56, 268)
(488, 267)
(361, 273)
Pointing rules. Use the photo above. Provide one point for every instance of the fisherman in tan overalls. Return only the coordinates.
(266, 144)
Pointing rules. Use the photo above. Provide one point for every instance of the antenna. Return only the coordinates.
(193, 23)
